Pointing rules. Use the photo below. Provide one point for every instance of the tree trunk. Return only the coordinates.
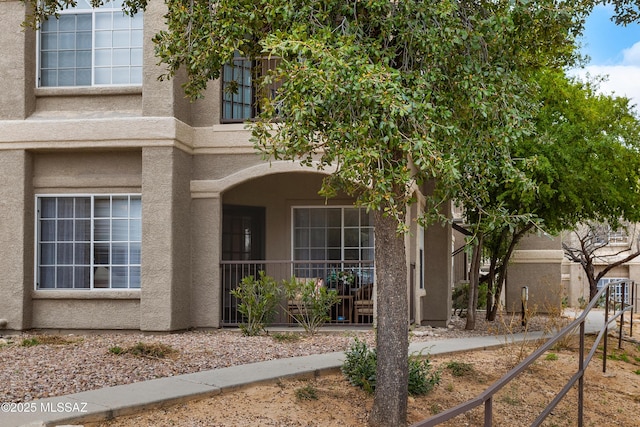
(474, 284)
(392, 332)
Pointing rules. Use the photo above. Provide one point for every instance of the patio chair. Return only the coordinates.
(363, 302)
(295, 306)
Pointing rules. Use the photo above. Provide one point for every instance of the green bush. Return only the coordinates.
(460, 369)
(309, 303)
(460, 297)
(360, 370)
(258, 302)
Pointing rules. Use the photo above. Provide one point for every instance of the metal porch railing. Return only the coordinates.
(330, 271)
(486, 398)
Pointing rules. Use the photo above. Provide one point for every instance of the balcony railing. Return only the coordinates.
(330, 271)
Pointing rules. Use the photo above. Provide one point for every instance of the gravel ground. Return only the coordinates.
(56, 365)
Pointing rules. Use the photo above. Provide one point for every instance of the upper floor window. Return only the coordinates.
(89, 242)
(240, 96)
(89, 46)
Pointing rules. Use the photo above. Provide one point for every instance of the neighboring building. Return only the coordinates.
(615, 247)
(125, 206)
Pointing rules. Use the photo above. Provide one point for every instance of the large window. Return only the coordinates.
(91, 47)
(340, 234)
(88, 242)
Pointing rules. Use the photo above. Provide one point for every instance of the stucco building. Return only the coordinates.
(125, 206)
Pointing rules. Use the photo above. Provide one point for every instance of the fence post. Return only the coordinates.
(623, 304)
(581, 379)
(606, 330)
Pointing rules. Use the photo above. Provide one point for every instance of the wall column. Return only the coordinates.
(17, 62)
(436, 310)
(166, 243)
(206, 238)
(16, 230)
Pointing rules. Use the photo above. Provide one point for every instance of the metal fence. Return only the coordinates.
(618, 306)
(345, 277)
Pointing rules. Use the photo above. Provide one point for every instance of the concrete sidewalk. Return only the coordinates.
(121, 400)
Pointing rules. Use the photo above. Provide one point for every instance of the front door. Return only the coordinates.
(242, 240)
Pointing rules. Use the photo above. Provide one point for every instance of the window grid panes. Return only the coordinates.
(88, 46)
(87, 242)
(341, 234)
(240, 95)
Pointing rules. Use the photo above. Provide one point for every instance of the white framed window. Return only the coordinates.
(616, 291)
(89, 46)
(88, 241)
(343, 236)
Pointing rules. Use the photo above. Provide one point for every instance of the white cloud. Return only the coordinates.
(622, 80)
(631, 56)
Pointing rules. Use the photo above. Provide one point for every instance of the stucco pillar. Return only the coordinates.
(16, 233)
(536, 264)
(160, 98)
(206, 238)
(166, 247)
(17, 62)
(436, 307)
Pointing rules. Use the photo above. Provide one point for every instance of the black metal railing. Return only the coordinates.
(346, 277)
(486, 398)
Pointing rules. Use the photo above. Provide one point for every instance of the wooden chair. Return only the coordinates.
(295, 306)
(363, 302)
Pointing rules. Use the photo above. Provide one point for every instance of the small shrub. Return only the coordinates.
(285, 337)
(312, 302)
(637, 372)
(307, 392)
(48, 340)
(460, 369)
(155, 350)
(360, 370)
(116, 349)
(258, 302)
(359, 366)
(30, 342)
(551, 356)
(422, 379)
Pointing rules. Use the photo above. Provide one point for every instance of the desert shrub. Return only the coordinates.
(359, 368)
(141, 349)
(460, 297)
(459, 369)
(308, 392)
(309, 302)
(258, 302)
(285, 337)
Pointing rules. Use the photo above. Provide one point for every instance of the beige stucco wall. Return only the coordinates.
(437, 304)
(166, 243)
(17, 62)
(16, 262)
(102, 310)
(536, 264)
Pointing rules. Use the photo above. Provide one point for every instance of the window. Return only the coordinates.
(616, 291)
(91, 47)
(88, 242)
(240, 98)
(341, 234)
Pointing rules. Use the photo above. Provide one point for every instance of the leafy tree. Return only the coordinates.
(626, 11)
(581, 138)
(390, 96)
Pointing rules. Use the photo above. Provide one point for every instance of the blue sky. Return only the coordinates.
(615, 52)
